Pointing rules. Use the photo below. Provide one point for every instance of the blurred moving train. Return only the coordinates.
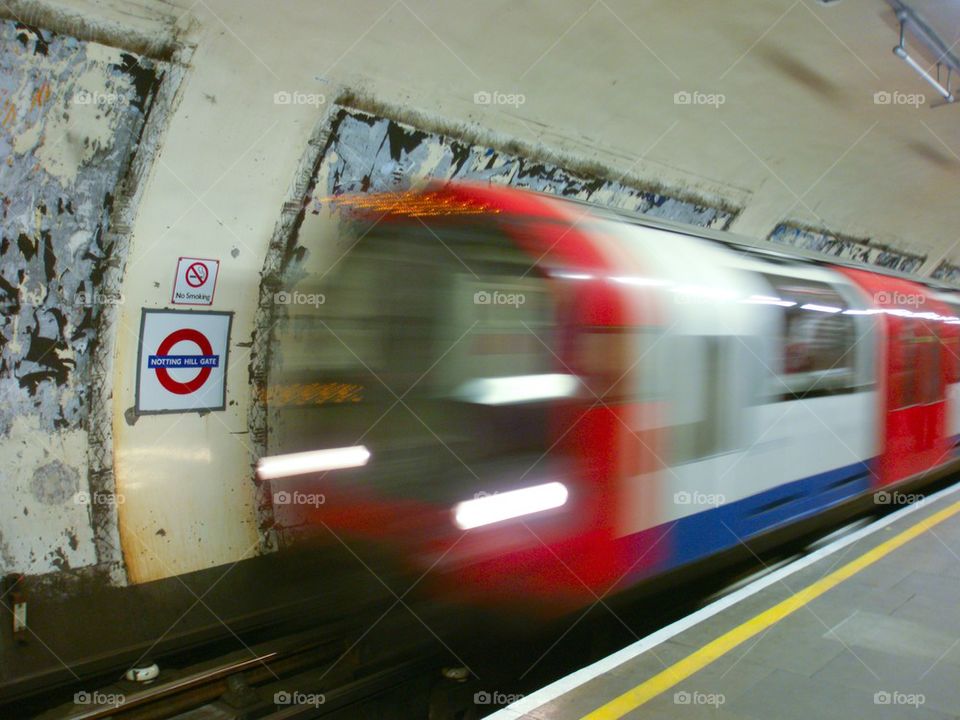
(528, 399)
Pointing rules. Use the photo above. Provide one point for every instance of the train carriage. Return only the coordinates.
(556, 401)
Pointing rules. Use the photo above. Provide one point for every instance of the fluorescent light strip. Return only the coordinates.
(519, 388)
(768, 300)
(820, 308)
(902, 54)
(512, 504)
(573, 276)
(641, 281)
(302, 463)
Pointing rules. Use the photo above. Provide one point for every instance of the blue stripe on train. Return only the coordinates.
(723, 527)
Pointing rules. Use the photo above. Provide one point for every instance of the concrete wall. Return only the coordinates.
(72, 112)
(859, 250)
(598, 101)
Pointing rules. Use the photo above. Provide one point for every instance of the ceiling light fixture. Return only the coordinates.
(929, 38)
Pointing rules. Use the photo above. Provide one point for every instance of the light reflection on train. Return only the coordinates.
(533, 401)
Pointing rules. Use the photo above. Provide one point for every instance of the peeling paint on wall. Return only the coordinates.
(366, 153)
(71, 113)
(947, 272)
(856, 250)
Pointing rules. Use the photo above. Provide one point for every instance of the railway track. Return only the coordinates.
(299, 676)
(392, 664)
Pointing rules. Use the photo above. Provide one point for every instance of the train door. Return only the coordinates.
(916, 417)
(913, 376)
(950, 338)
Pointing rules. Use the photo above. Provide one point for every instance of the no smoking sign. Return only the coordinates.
(182, 361)
(195, 282)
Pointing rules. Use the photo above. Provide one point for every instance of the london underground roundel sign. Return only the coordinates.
(182, 361)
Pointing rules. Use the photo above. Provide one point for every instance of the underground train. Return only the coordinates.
(525, 399)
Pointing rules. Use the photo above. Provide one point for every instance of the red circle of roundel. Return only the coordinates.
(190, 335)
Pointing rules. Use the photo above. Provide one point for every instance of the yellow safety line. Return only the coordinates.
(696, 661)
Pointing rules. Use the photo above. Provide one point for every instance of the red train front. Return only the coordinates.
(530, 401)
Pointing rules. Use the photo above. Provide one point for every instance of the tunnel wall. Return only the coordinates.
(259, 131)
(859, 250)
(254, 114)
(72, 115)
(239, 158)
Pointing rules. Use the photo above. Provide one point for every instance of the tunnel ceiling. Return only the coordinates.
(799, 134)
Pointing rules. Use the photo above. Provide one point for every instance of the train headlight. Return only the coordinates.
(302, 463)
(491, 509)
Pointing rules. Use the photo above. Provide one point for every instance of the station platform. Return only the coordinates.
(867, 626)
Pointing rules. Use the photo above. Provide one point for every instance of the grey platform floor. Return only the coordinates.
(884, 643)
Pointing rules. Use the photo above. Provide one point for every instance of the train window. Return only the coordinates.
(444, 353)
(951, 355)
(950, 343)
(700, 395)
(816, 340)
(619, 364)
(916, 366)
(929, 379)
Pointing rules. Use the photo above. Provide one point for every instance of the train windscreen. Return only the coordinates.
(433, 347)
